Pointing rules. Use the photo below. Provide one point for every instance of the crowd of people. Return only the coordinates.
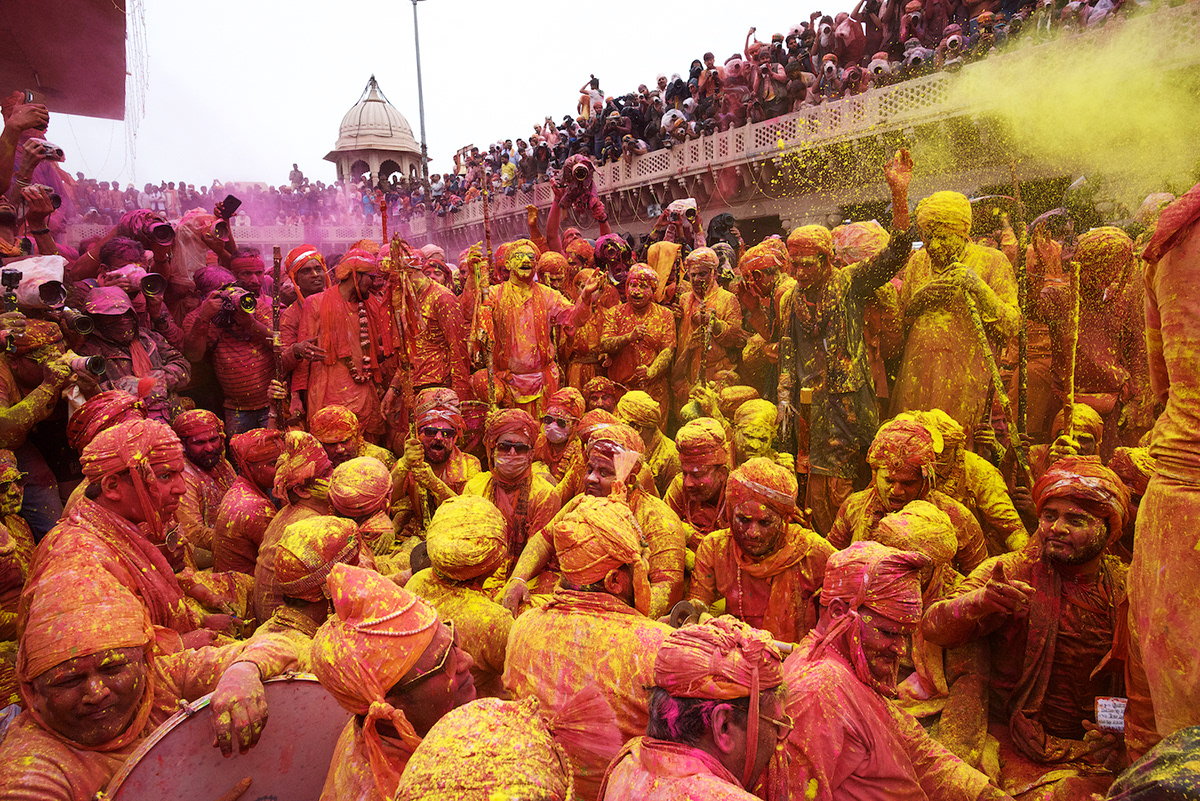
(897, 509)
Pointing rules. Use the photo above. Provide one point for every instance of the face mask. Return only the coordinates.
(511, 467)
(556, 435)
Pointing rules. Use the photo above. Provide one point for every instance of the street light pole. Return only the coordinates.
(424, 149)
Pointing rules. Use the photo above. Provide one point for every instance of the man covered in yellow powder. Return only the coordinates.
(766, 566)
(360, 490)
(466, 545)
(95, 685)
(432, 468)
(716, 718)
(902, 459)
(641, 412)
(207, 476)
(849, 740)
(612, 451)
(975, 483)
(754, 431)
(248, 508)
(527, 501)
(339, 432)
(639, 335)
(301, 483)
(393, 664)
(303, 561)
(697, 494)
(945, 364)
(712, 319)
(594, 631)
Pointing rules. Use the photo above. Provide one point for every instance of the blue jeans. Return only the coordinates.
(239, 421)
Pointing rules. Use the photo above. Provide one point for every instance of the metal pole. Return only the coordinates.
(424, 150)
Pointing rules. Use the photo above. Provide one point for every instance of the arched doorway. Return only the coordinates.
(390, 171)
(358, 169)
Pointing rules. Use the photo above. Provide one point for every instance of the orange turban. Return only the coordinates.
(1083, 480)
(595, 538)
(439, 404)
(904, 442)
(509, 421)
(922, 527)
(334, 424)
(368, 246)
(1135, 467)
(756, 416)
(882, 579)
(593, 422)
(945, 208)
(760, 257)
(722, 659)
(87, 611)
(100, 412)
(308, 551)
(552, 263)
(767, 483)
(197, 423)
(300, 255)
(704, 256)
(303, 459)
(138, 446)
(360, 487)
(816, 237)
(466, 538)
(637, 408)
(702, 442)
(378, 632)
(859, 241)
(583, 249)
(614, 438)
(643, 272)
(1104, 251)
(1086, 419)
(256, 445)
(355, 261)
(730, 399)
(567, 400)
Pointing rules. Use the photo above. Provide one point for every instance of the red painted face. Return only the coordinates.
(757, 528)
(884, 642)
(92, 699)
(703, 482)
(343, 451)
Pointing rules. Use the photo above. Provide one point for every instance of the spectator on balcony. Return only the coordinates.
(768, 89)
(631, 147)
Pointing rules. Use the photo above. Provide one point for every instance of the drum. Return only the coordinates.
(289, 763)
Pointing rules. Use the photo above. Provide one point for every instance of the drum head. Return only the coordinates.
(289, 763)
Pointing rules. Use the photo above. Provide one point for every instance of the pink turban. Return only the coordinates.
(360, 487)
(355, 261)
(567, 400)
(766, 482)
(334, 424)
(904, 442)
(256, 445)
(138, 446)
(859, 241)
(197, 423)
(101, 412)
(439, 404)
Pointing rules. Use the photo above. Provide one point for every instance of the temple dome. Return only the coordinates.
(374, 124)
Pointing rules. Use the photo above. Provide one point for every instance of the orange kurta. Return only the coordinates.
(242, 520)
(723, 349)
(660, 337)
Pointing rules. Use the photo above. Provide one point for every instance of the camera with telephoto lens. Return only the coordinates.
(153, 285)
(91, 365)
(55, 198)
(233, 299)
(75, 320)
(579, 172)
(155, 230)
(53, 152)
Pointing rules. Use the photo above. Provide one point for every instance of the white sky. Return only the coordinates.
(240, 89)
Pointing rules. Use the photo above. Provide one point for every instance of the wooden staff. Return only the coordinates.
(487, 240)
(400, 300)
(277, 411)
(1022, 231)
(1072, 349)
(383, 210)
(787, 357)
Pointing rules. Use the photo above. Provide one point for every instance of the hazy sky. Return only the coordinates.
(238, 90)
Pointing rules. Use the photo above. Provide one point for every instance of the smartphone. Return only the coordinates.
(229, 206)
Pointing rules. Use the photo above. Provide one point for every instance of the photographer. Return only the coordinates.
(232, 330)
(711, 78)
(145, 227)
(19, 118)
(38, 207)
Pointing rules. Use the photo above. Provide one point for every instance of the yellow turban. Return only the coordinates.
(637, 408)
(756, 416)
(945, 208)
(813, 236)
(702, 442)
(1087, 420)
(595, 538)
(466, 538)
(922, 527)
(308, 551)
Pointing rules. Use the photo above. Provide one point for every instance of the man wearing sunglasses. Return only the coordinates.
(716, 717)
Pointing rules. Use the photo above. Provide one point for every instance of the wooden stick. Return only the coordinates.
(1072, 350)
(277, 412)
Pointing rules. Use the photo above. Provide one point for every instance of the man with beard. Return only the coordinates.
(945, 364)
(132, 356)
(432, 469)
(639, 335)
(903, 469)
(338, 430)
(527, 501)
(712, 319)
(352, 329)
(1054, 614)
(207, 476)
(248, 508)
(697, 494)
(601, 393)
(849, 740)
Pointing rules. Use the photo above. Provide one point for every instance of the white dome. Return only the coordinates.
(374, 124)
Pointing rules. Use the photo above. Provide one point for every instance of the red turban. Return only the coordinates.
(882, 579)
(637, 408)
(642, 272)
(760, 257)
(368, 246)
(245, 262)
(308, 551)
(256, 445)
(197, 423)
(138, 446)
(360, 487)
(552, 263)
(704, 256)
(38, 334)
(596, 537)
(1173, 224)
(600, 384)
(702, 442)
(1135, 467)
(355, 261)
(904, 442)
(334, 424)
(722, 659)
(88, 611)
(300, 255)
(509, 421)
(100, 412)
(378, 632)
(466, 538)
(817, 237)
(303, 459)
(767, 483)
(1083, 480)
(439, 404)
(567, 400)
